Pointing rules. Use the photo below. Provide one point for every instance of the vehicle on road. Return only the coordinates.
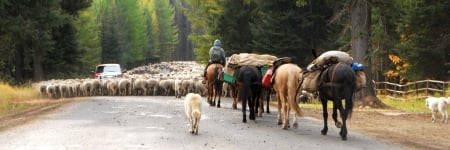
(103, 71)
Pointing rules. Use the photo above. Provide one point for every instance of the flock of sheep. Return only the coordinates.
(167, 78)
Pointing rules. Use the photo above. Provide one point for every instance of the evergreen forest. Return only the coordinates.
(397, 40)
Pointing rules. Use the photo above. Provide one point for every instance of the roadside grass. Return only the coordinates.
(13, 99)
(409, 105)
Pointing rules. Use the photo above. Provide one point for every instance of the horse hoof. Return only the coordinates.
(338, 124)
(244, 121)
(279, 122)
(324, 132)
(344, 138)
(295, 125)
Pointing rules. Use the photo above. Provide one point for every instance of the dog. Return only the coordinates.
(193, 107)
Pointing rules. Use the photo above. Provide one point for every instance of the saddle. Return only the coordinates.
(276, 64)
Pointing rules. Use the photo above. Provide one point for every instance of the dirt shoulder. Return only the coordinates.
(412, 130)
(38, 108)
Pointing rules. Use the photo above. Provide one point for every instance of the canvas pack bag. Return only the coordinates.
(311, 81)
(360, 79)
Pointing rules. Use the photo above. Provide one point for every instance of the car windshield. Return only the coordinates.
(101, 69)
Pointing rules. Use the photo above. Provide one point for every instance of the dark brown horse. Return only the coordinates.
(337, 82)
(213, 84)
(248, 81)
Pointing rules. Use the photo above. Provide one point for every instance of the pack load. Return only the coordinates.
(264, 61)
(314, 69)
(329, 57)
(243, 59)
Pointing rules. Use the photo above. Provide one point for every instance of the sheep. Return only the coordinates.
(140, 87)
(193, 108)
(187, 86)
(225, 89)
(438, 104)
(152, 86)
(112, 87)
(51, 91)
(178, 88)
(87, 88)
(124, 86)
(199, 87)
(43, 89)
(64, 90)
(167, 86)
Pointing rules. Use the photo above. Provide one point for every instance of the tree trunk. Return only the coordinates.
(19, 65)
(37, 67)
(360, 18)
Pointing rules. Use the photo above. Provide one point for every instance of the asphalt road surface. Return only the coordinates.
(160, 122)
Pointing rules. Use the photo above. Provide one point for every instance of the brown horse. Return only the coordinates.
(287, 79)
(213, 84)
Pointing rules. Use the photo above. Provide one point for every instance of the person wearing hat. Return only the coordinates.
(216, 55)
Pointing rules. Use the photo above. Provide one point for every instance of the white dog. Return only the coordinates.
(438, 104)
(193, 107)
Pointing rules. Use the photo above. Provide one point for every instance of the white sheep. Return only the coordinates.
(152, 86)
(187, 86)
(438, 104)
(140, 87)
(193, 108)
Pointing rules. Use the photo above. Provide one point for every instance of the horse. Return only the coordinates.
(248, 85)
(337, 82)
(265, 93)
(213, 84)
(288, 77)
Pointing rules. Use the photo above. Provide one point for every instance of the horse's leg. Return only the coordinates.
(279, 122)
(244, 96)
(344, 114)
(268, 100)
(244, 109)
(251, 106)
(234, 95)
(214, 96)
(285, 110)
(219, 96)
(260, 106)
(325, 115)
(336, 104)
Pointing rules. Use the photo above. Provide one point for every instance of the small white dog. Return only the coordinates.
(193, 107)
(438, 104)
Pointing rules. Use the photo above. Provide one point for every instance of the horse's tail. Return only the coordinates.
(292, 93)
(349, 104)
(217, 83)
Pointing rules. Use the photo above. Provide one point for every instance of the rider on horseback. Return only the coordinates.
(216, 55)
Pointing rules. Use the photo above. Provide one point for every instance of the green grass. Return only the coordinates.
(12, 98)
(409, 105)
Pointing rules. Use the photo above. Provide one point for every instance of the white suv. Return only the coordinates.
(108, 71)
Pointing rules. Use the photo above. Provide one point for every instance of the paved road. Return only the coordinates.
(160, 123)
